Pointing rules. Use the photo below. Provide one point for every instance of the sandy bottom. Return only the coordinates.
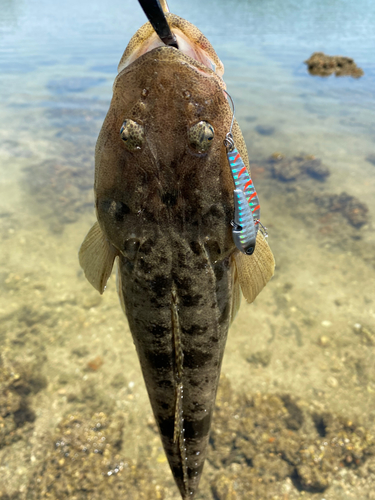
(299, 379)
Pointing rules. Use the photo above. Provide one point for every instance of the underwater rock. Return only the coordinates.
(85, 461)
(350, 207)
(289, 169)
(319, 64)
(265, 129)
(259, 441)
(17, 384)
(262, 358)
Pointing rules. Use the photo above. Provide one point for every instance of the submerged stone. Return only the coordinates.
(319, 64)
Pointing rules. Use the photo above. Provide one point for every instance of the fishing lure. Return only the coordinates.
(246, 220)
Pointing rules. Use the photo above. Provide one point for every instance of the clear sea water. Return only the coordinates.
(316, 318)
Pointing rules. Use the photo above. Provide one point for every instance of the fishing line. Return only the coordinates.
(229, 141)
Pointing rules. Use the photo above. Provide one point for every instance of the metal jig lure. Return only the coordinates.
(246, 220)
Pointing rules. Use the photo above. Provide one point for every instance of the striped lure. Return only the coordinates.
(246, 204)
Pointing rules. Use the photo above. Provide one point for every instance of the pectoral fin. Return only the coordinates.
(96, 257)
(254, 271)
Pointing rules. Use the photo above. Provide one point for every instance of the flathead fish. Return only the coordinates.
(164, 195)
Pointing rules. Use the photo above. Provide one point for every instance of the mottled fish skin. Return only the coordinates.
(202, 292)
(167, 210)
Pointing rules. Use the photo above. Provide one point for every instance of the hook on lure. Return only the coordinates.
(246, 222)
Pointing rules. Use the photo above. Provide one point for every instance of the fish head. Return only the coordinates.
(167, 121)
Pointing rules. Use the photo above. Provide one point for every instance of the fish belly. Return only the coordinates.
(178, 306)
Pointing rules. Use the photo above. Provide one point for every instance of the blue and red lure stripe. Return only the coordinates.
(246, 205)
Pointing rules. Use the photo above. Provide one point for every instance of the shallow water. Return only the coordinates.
(310, 334)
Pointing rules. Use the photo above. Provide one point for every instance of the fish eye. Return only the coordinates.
(132, 134)
(201, 136)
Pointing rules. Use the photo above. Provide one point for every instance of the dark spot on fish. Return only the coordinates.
(197, 428)
(131, 247)
(116, 209)
(159, 360)
(144, 266)
(158, 331)
(156, 302)
(195, 358)
(121, 210)
(170, 199)
(195, 247)
(161, 284)
(195, 330)
(194, 382)
(214, 339)
(163, 404)
(216, 212)
(213, 249)
(190, 300)
(182, 283)
(166, 426)
(104, 205)
(165, 384)
(219, 272)
(146, 247)
(177, 474)
(224, 315)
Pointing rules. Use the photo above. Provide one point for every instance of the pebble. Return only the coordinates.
(326, 323)
(332, 382)
(95, 364)
(324, 341)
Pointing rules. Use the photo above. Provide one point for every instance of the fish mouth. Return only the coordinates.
(191, 42)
